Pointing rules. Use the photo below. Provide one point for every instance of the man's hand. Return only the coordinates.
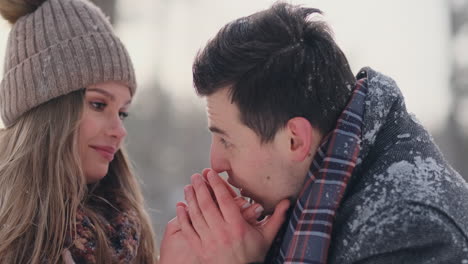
(175, 248)
(216, 229)
(250, 212)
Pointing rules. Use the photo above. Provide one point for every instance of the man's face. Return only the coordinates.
(262, 171)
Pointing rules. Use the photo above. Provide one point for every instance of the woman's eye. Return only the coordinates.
(98, 105)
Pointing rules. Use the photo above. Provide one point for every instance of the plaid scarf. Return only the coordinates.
(308, 232)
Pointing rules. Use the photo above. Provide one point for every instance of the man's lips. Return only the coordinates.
(231, 182)
(243, 193)
(106, 152)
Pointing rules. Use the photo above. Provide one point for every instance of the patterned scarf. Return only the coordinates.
(308, 232)
(122, 230)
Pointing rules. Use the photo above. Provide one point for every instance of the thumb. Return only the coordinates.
(274, 222)
(173, 226)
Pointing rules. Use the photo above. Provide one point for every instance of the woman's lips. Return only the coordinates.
(106, 152)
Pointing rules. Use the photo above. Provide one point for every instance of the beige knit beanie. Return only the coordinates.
(58, 47)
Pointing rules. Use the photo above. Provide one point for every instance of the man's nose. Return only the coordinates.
(218, 159)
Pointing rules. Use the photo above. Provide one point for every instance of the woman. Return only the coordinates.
(66, 187)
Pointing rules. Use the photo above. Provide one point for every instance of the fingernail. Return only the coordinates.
(197, 179)
(246, 205)
(258, 211)
(211, 175)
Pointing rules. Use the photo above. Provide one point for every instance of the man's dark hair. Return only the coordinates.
(278, 64)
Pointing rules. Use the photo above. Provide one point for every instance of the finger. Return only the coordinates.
(186, 227)
(274, 222)
(242, 203)
(229, 209)
(208, 207)
(184, 205)
(252, 213)
(198, 221)
(205, 173)
(181, 204)
(231, 190)
(172, 227)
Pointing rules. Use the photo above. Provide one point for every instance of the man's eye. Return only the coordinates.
(224, 142)
(123, 115)
(98, 105)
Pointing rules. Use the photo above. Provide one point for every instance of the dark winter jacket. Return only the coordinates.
(404, 203)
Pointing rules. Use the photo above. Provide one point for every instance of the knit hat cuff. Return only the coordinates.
(62, 68)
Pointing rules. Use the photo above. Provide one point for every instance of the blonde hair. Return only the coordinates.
(42, 186)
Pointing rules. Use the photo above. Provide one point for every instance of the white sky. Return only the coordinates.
(408, 40)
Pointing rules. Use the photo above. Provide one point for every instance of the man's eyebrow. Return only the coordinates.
(106, 94)
(217, 130)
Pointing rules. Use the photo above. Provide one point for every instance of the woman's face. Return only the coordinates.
(101, 129)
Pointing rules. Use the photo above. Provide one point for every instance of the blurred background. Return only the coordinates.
(422, 44)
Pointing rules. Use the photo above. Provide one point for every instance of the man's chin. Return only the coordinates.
(268, 210)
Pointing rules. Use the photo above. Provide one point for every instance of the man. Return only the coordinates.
(290, 121)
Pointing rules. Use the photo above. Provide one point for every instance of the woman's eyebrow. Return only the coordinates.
(107, 94)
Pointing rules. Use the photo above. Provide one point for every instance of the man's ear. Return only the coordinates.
(300, 133)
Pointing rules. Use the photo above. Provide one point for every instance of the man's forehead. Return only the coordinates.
(222, 114)
(219, 106)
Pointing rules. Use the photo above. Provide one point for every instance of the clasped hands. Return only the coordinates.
(218, 226)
